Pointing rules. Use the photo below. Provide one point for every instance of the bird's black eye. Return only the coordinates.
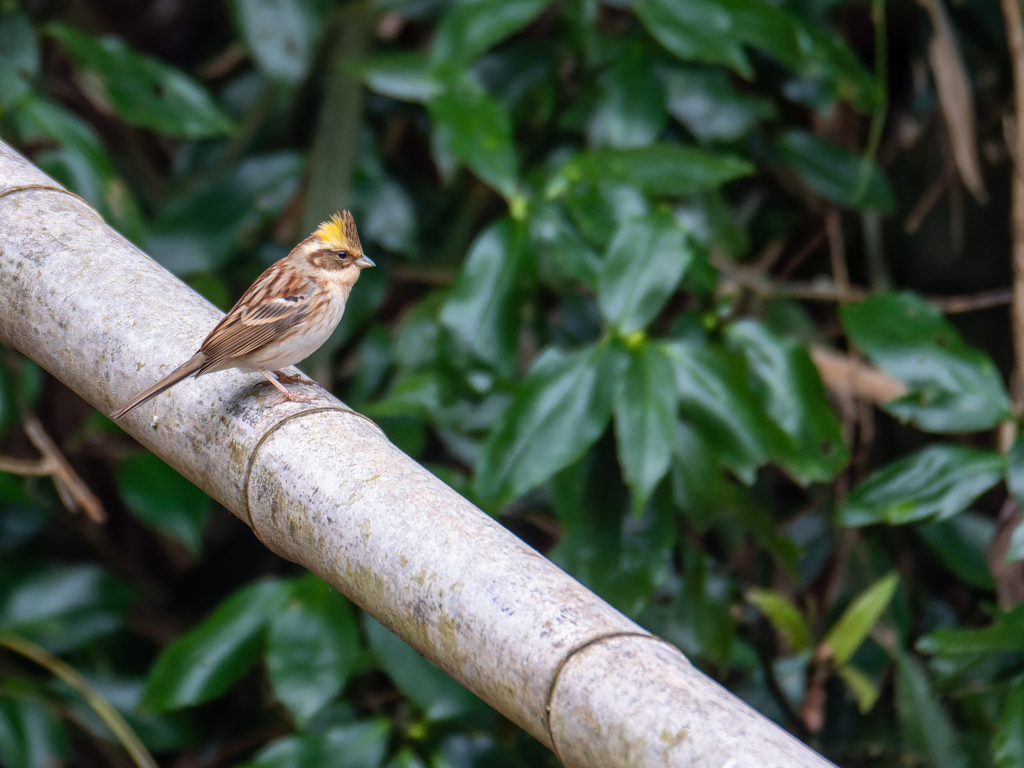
(342, 254)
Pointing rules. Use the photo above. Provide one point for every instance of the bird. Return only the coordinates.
(284, 316)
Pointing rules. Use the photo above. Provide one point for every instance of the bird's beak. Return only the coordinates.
(364, 262)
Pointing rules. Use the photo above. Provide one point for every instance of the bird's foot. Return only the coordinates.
(288, 378)
(285, 395)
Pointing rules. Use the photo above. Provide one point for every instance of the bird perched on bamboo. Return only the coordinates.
(285, 316)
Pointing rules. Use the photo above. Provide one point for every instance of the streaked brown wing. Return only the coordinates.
(243, 331)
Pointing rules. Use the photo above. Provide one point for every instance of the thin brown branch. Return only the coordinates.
(1015, 42)
(837, 254)
(73, 492)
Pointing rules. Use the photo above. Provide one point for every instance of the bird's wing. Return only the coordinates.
(256, 321)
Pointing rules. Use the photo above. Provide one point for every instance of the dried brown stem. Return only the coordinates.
(846, 375)
(73, 492)
(1015, 42)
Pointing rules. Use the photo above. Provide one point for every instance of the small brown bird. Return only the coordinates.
(284, 317)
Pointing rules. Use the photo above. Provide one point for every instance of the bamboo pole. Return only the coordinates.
(324, 488)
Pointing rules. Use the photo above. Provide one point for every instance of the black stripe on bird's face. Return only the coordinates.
(332, 260)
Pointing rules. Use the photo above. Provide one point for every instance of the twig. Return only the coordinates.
(837, 255)
(122, 731)
(73, 492)
(931, 196)
(1015, 42)
(824, 289)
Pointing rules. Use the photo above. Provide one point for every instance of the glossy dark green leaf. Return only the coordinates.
(280, 35)
(851, 629)
(829, 61)
(62, 608)
(207, 660)
(164, 500)
(471, 27)
(1015, 471)
(631, 109)
(833, 171)
(659, 169)
(477, 130)
(933, 484)
(717, 401)
(557, 243)
(483, 309)
(434, 692)
(810, 447)
(622, 557)
(954, 388)
(705, 101)
(143, 90)
(697, 618)
(312, 648)
(598, 209)
(201, 229)
(645, 262)
(19, 58)
(960, 543)
(645, 421)
(31, 735)
(355, 745)
(1006, 633)
(1008, 743)
(695, 31)
(562, 406)
(402, 76)
(924, 723)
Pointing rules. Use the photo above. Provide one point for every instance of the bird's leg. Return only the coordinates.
(285, 394)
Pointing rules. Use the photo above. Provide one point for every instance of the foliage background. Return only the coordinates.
(620, 246)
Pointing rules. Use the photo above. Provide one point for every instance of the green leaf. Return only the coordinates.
(312, 648)
(281, 36)
(716, 400)
(658, 169)
(864, 690)
(631, 109)
(31, 734)
(645, 262)
(811, 446)
(935, 483)
(784, 616)
(482, 311)
(164, 500)
(706, 102)
(698, 30)
(144, 91)
(961, 543)
(624, 558)
(557, 242)
(923, 722)
(476, 129)
(860, 617)
(434, 692)
(562, 406)
(207, 660)
(1008, 743)
(402, 76)
(19, 58)
(1006, 633)
(645, 422)
(355, 745)
(832, 171)
(62, 608)
(471, 27)
(954, 388)
(200, 230)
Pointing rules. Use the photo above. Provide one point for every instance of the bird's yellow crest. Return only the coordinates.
(339, 233)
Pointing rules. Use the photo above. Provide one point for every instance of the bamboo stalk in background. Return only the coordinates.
(324, 488)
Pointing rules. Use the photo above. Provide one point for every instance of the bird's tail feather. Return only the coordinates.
(194, 364)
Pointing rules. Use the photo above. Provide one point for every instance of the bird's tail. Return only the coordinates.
(194, 364)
